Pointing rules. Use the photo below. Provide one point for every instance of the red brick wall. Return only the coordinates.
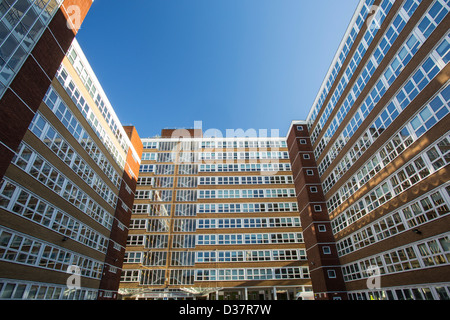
(110, 281)
(318, 262)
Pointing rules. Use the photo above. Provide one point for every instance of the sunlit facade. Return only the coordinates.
(352, 204)
(378, 132)
(66, 196)
(215, 218)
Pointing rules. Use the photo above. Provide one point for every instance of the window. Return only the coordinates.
(164, 182)
(430, 252)
(429, 114)
(240, 180)
(227, 180)
(22, 202)
(249, 238)
(145, 181)
(138, 223)
(141, 208)
(155, 258)
(251, 274)
(309, 172)
(245, 193)
(149, 156)
(300, 128)
(69, 155)
(150, 144)
(246, 207)
(178, 277)
(407, 176)
(187, 169)
(322, 228)
(168, 146)
(157, 241)
(56, 181)
(412, 87)
(188, 157)
(306, 156)
(331, 274)
(234, 223)
(14, 52)
(184, 225)
(143, 194)
(152, 277)
(135, 240)
(133, 257)
(185, 210)
(166, 157)
(159, 209)
(313, 189)
(317, 208)
(73, 91)
(157, 225)
(20, 248)
(130, 276)
(186, 195)
(326, 250)
(146, 168)
(183, 241)
(162, 195)
(165, 169)
(302, 141)
(187, 182)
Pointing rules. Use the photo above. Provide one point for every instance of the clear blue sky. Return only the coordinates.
(232, 64)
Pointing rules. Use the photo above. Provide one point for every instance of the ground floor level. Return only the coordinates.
(232, 293)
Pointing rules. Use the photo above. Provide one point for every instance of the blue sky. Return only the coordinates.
(232, 64)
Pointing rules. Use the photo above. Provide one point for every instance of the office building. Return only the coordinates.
(374, 210)
(215, 218)
(67, 194)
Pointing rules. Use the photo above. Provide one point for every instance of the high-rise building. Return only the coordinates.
(67, 194)
(375, 209)
(215, 218)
